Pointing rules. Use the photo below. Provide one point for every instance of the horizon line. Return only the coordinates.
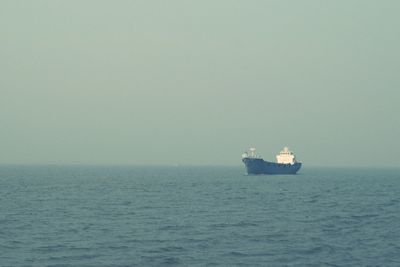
(184, 165)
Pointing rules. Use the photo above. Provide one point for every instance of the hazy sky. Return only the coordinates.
(198, 82)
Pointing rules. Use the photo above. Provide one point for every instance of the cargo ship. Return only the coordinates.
(286, 163)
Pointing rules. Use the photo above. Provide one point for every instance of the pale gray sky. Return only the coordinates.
(197, 82)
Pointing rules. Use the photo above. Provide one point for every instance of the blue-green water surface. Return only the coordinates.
(198, 216)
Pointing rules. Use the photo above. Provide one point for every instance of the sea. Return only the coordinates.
(198, 216)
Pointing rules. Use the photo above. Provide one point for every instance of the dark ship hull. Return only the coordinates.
(260, 166)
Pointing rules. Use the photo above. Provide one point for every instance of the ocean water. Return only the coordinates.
(198, 216)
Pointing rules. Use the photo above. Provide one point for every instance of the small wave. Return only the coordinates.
(244, 224)
(267, 237)
(313, 200)
(317, 250)
(79, 249)
(121, 247)
(167, 249)
(243, 254)
(50, 248)
(389, 204)
(141, 241)
(171, 261)
(363, 216)
(73, 257)
(219, 225)
(237, 254)
(4, 247)
(174, 227)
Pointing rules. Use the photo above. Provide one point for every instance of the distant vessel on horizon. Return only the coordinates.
(286, 163)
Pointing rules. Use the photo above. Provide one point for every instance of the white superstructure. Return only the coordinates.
(286, 157)
(250, 154)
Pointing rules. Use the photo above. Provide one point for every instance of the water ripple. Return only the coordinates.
(189, 216)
